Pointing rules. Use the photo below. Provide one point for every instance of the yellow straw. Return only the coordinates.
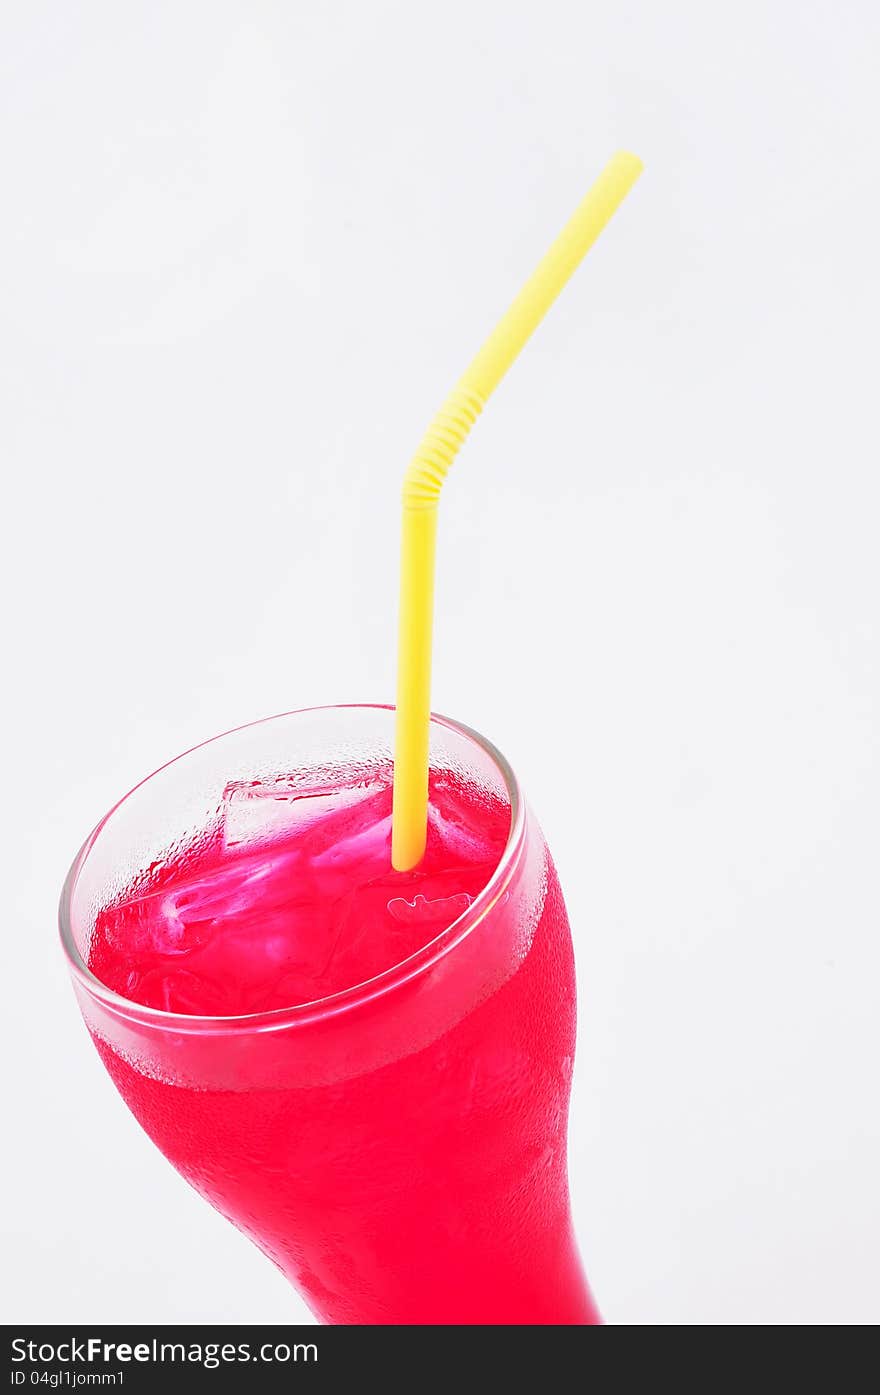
(421, 492)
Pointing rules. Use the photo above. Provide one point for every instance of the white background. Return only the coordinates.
(245, 249)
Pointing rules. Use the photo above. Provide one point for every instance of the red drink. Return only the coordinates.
(395, 1143)
(293, 897)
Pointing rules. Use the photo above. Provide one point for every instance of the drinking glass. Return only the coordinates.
(397, 1149)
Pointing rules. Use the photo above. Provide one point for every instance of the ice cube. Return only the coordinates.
(151, 924)
(181, 918)
(365, 844)
(455, 832)
(254, 810)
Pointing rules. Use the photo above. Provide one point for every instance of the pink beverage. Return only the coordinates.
(367, 1071)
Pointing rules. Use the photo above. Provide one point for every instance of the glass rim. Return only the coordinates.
(300, 1014)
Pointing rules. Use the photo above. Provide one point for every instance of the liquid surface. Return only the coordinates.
(293, 898)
